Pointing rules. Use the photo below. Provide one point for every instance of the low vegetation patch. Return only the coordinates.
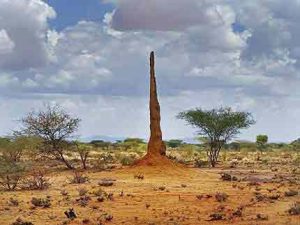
(294, 209)
(221, 197)
(41, 202)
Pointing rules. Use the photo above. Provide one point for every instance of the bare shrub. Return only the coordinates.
(13, 202)
(41, 202)
(294, 209)
(221, 197)
(70, 214)
(290, 193)
(64, 193)
(139, 176)
(78, 178)
(99, 192)
(19, 221)
(106, 182)
(82, 191)
(83, 200)
(54, 127)
(216, 216)
(261, 217)
(199, 163)
(127, 160)
(83, 151)
(36, 181)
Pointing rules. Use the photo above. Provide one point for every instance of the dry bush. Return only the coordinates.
(41, 202)
(221, 197)
(126, 159)
(78, 178)
(83, 201)
(19, 221)
(10, 182)
(82, 191)
(103, 160)
(294, 209)
(139, 176)
(199, 163)
(36, 181)
(13, 202)
(228, 177)
(11, 175)
(290, 193)
(70, 214)
(106, 182)
(262, 217)
(99, 192)
(64, 192)
(216, 216)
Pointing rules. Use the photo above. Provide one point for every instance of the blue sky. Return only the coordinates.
(69, 12)
(91, 57)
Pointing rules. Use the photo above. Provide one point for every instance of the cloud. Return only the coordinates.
(6, 44)
(100, 71)
(168, 14)
(23, 26)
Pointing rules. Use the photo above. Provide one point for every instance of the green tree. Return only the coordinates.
(83, 150)
(131, 143)
(54, 126)
(295, 145)
(13, 148)
(174, 143)
(101, 144)
(218, 126)
(235, 146)
(11, 174)
(261, 142)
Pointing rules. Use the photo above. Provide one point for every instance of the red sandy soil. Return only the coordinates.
(144, 203)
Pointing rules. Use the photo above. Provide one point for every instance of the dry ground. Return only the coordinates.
(145, 201)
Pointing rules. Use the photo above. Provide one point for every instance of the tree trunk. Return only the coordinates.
(83, 161)
(69, 166)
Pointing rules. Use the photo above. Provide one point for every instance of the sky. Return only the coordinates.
(91, 57)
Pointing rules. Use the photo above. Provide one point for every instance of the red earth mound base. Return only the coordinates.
(158, 166)
(154, 160)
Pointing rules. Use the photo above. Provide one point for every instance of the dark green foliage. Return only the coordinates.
(100, 144)
(295, 145)
(217, 126)
(261, 141)
(174, 143)
(235, 146)
(134, 140)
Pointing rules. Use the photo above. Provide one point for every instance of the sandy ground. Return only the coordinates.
(144, 201)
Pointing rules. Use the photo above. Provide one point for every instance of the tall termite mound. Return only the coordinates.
(156, 150)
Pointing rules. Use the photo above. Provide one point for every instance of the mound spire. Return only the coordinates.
(156, 150)
(156, 145)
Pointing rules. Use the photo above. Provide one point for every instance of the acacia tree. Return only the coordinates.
(13, 148)
(54, 126)
(217, 126)
(261, 141)
(83, 151)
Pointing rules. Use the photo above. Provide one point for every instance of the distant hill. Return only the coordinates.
(189, 140)
(101, 137)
